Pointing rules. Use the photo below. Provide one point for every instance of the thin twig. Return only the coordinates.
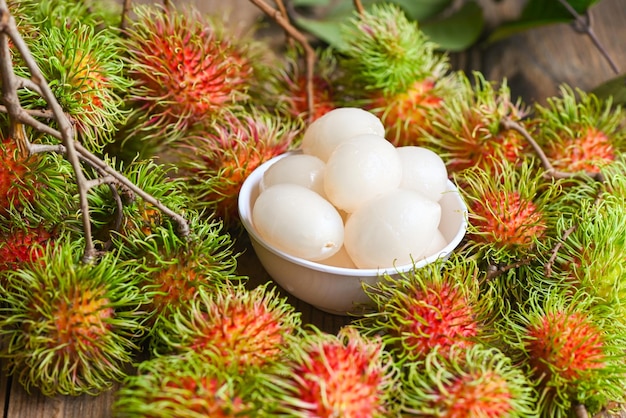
(555, 250)
(359, 7)
(125, 12)
(550, 171)
(584, 24)
(309, 52)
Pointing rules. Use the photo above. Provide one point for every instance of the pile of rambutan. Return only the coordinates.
(526, 318)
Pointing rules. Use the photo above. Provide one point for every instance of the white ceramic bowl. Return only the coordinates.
(334, 289)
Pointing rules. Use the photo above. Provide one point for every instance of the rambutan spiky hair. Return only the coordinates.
(344, 375)
(573, 346)
(86, 77)
(580, 132)
(71, 328)
(185, 386)
(434, 307)
(474, 382)
(246, 328)
(186, 70)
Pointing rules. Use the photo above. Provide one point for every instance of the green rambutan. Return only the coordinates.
(216, 164)
(590, 256)
(467, 382)
(86, 77)
(344, 375)
(467, 131)
(394, 69)
(573, 347)
(186, 68)
(184, 386)
(177, 268)
(70, 328)
(245, 328)
(579, 132)
(435, 307)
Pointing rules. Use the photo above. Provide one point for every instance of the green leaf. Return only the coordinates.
(457, 31)
(615, 88)
(538, 13)
(327, 29)
(310, 3)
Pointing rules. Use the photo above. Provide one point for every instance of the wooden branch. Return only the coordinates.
(584, 24)
(309, 52)
(74, 152)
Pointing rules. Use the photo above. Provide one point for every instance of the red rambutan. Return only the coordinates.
(19, 246)
(344, 375)
(435, 307)
(467, 383)
(185, 67)
(245, 328)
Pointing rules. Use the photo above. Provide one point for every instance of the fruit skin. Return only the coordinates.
(344, 375)
(71, 328)
(244, 328)
(186, 69)
(572, 346)
(21, 246)
(185, 386)
(579, 132)
(478, 381)
(431, 308)
(510, 211)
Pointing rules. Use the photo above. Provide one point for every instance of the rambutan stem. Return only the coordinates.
(509, 124)
(309, 52)
(580, 411)
(126, 5)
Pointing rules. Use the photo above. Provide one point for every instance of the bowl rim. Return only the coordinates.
(245, 216)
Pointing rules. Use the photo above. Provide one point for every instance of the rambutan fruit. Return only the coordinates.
(467, 130)
(394, 69)
(579, 132)
(573, 347)
(435, 307)
(245, 328)
(470, 382)
(177, 268)
(86, 77)
(71, 328)
(216, 164)
(344, 375)
(33, 186)
(186, 69)
(509, 210)
(20, 246)
(185, 386)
